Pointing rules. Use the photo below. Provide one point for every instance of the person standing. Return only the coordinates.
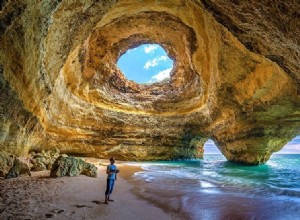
(111, 172)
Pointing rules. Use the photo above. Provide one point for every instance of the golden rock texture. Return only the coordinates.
(235, 78)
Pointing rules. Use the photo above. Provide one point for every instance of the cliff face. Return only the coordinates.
(235, 78)
(19, 129)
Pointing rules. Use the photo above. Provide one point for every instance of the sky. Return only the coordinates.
(292, 147)
(147, 63)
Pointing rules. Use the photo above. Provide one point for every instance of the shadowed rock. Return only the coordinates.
(44, 160)
(19, 168)
(72, 166)
(6, 163)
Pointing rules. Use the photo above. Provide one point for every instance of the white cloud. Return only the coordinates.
(162, 75)
(294, 146)
(151, 63)
(150, 48)
(131, 50)
(209, 141)
(154, 62)
(162, 58)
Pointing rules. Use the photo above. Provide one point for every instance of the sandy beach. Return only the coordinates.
(164, 190)
(81, 197)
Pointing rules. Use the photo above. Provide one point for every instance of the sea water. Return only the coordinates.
(213, 188)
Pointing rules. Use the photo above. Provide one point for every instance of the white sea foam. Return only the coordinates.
(215, 187)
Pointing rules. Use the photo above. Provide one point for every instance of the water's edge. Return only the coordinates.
(213, 188)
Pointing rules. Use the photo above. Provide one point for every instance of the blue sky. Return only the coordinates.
(292, 147)
(147, 63)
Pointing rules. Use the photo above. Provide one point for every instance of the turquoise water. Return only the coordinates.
(213, 188)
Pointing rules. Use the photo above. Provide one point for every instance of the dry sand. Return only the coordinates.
(82, 197)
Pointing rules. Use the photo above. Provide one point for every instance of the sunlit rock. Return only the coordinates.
(72, 166)
(235, 78)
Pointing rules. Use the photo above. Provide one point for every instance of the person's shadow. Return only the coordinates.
(98, 202)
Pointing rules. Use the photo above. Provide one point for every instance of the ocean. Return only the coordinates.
(213, 188)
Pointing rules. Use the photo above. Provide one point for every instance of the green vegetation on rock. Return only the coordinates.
(72, 166)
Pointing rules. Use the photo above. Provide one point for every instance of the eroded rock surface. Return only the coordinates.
(6, 163)
(44, 160)
(235, 78)
(72, 166)
(19, 168)
(19, 128)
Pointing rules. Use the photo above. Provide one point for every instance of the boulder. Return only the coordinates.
(72, 166)
(19, 168)
(6, 163)
(44, 160)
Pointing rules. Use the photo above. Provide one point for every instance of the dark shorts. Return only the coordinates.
(109, 186)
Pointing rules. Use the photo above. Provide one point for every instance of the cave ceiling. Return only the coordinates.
(235, 80)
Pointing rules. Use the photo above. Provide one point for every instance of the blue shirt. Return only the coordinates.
(109, 169)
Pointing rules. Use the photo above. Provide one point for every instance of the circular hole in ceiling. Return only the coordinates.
(146, 64)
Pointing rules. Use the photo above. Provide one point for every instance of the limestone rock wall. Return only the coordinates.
(19, 128)
(270, 28)
(229, 82)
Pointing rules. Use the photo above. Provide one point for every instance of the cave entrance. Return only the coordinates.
(211, 152)
(292, 147)
(210, 148)
(146, 64)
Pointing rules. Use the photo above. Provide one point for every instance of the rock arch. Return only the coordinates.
(60, 58)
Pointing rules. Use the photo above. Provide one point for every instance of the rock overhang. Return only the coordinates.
(109, 41)
(218, 88)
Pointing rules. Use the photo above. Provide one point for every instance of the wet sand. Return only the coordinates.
(209, 201)
(82, 197)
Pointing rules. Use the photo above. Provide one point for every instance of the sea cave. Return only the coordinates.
(235, 79)
(69, 101)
